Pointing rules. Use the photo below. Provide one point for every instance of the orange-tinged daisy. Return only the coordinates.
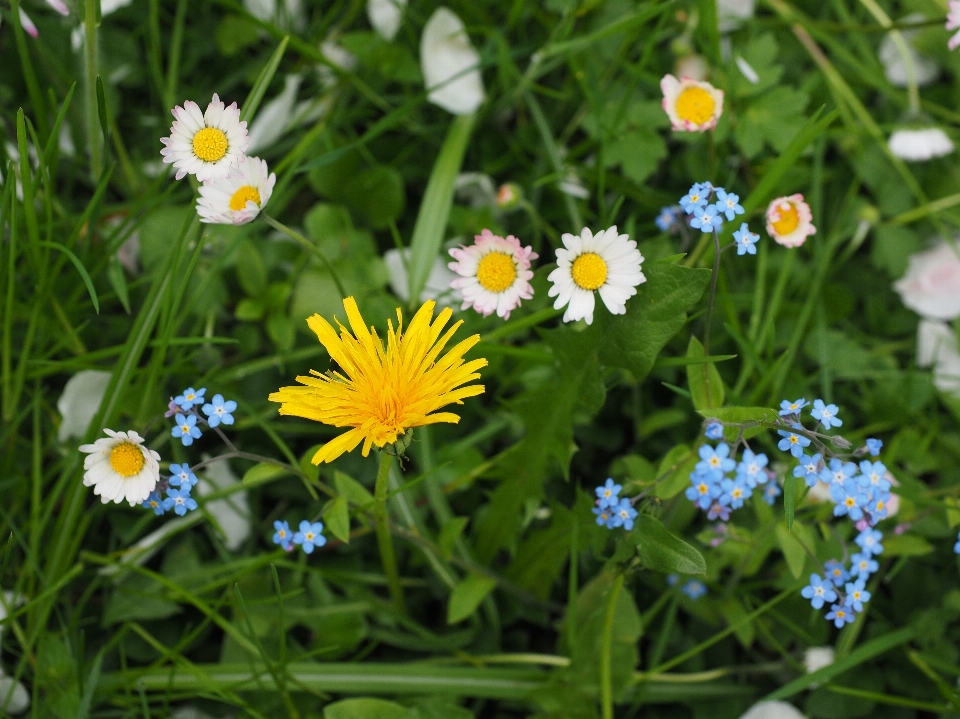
(381, 392)
(789, 220)
(691, 105)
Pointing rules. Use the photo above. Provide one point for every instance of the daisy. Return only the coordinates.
(919, 144)
(238, 199)
(692, 105)
(789, 221)
(119, 467)
(953, 23)
(606, 262)
(208, 145)
(494, 274)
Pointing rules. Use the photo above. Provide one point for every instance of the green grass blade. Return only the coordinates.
(259, 89)
(84, 275)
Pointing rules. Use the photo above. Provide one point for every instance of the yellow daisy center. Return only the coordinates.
(496, 272)
(244, 195)
(789, 219)
(695, 105)
(210, 144)
(589, 271)
(126, 459)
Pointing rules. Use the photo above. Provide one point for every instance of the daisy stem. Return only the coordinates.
(91, 58)
(308, 245)
(713, 292)
(384, 538)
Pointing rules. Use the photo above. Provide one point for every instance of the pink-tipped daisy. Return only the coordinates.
(953, 23)
(238, 199)
(789, 221)
(691, 105)
(494, 274)
(206, 144)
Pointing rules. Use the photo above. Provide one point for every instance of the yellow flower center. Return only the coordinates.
(695, 105)
(210, 144)
(850, 501)
(282, 533)
(244, 195)
(126, 459)
(496, 272)
(789, 219)
(589, 271)
(841, 614)
(308, 536)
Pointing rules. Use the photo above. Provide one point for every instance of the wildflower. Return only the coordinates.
(956, 547)
(276, 117)
(237, 199)
(189, 398)
(691, 105)
(789, 221)
(728, 204)
(509, 195)
(179, 500)
(672, 580)
(719, 509)
(869, 541)
(608, 494)
(931, 285)
(714, 431)
(809, 469)
(840, 616)
(746, 240)
(608, 263)
(715, 462)
(873, 475)
(881, 505)
(920, 144)
(604, 516)
(836, 572)
(788, 408)
(735, 492)
(706, 219)
(155, 503)
(283, 536)
(771, 492)
(694, 589)
(209, 145)
(953, 22)
(874, 446)
(766, 709)
(385, 16)
(450, 64)
(815, 658)
(494, 274)
(826, 413)
(703, 491)
(696, 197)
(862, 565)
(219, 412)
(186, 429)
(751, 468)
(181, 474)
(310, 536)
(838, 473)
(850, 499)
(792, 442)
(380, 393)
(80, 401)
(623, 514)
(119, 467)
(819, 590)
(924, 71)
(667, 218)
(172, 409)
(857, 595)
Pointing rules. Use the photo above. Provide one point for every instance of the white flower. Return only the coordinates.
(731, 12)
(438, 283)
(451, 67)
(817, 658)
(19, 697)
(208, 145)
(286, 14)
(60, 7)
(275, 117)
(608, 263)
(937, 347)
(119, 467)
(109, 6)
(238, 199)
(232, 513)
(925, 70)
(953, 23)
(819, 493)
(80, 401)
(746, 69)
(920, 144)
(385, 16)
(789, 220)
(692, 66)
(773, 710)
(339, 57)
(494, 274)
(691, 105)
(931, 285)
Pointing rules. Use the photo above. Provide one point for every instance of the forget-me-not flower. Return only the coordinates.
(715, 461)
(186, 429)
(771, 492)
(838, 472)
(857, 595)
(836, 572)
(792, 442)
(809, 469)
(862, 565)
(179, 500)
(182, 474)
(840, 615)
(608, 494)
(874, 446)
(735, 492)
(787, 407)
(751, 468)
(704, 490)
(850, 499)
(714, 431)
(604, 516)
(956, 547)
(872, 475)
(746, 240)
(706, 219)
(719, 510)
(624, 514)
(694, 589)
(728, 204)
(667, 218)
(155, 503)
(310, 536)
(826, 413)
(282, 536)
(695, 197)
(869, 541)
(819, 590)
(218, 411)
(189, 397)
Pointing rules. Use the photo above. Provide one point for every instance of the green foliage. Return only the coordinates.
(661, 551)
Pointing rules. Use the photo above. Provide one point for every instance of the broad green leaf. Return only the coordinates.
(376, 195)
(662, 551)
(364, 708)
(263, 473)
(792, 549)
(675, 469)
(449, 534)
(467, 595)
(706, 387)
(350, 488)
(337, 514)
(905, 545)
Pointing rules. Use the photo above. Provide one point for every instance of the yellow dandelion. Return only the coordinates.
(382, 392)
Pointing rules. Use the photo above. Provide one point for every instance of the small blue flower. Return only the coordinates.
(751, 468)
(792, 442)
(667, 218)
(186, 429)
(695, 198)
(809, 469)
(180, 501)
(771, 492)
(189, 397)
(715, 462)
(819, 590)
(873, 475)
(787, 407)
(155, 503)
(729, 204)
(719, 510)
(624, 514)
(704, 490)
(826, 413)
(869, 541)
(735, 492)
(857, 595)
(694, 589)
(838, 472)
(878, 503)
(672, 579)
(706, 219)
(608, 494)
(956, 547)
(218, 411)
(714, 431)
(874, 446)
(862, 565)
(182, 474)
(310, 536)
(850, 499)
(840, 615)
(283, 536)
(604, 516)
(836, 572)
(746, 240)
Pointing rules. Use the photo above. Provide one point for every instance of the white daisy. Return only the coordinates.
(119, 467)
(919, 144)
(238, 199)
(208, 145)
(789, 220)
(494, 274)
(691, 105)
(607, 262)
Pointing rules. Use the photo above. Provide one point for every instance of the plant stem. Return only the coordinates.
(91, 64)
(308, 245)
(913, 92)
(606, 660)
(713, 292)
(384, 538)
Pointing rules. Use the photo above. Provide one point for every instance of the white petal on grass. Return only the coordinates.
(337, 55)
(275, 117)
(815, 658)
(450, 64)
(59, 6)
(19, 700)
(925, 70)
(385, 16)
(285, 14)
(937, 346)
(144, 550)
(109, 6)
(27, 24)
(773, 710)
(80, 401)
(748, 72)
(731, 13)
(438, 283)
(232, 513)
(931, 285)
(920, 144)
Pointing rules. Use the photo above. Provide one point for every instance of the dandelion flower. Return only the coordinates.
(119, 467)
(608, 263)
(494, 274)
(238, 199)
(789, 221)
(209, 145)
(692, 105)
(919, 144)
(381, 392)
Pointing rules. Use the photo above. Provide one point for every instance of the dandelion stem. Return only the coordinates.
(713, 292)
(308, 245)
(606, 660)
(384, 538)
